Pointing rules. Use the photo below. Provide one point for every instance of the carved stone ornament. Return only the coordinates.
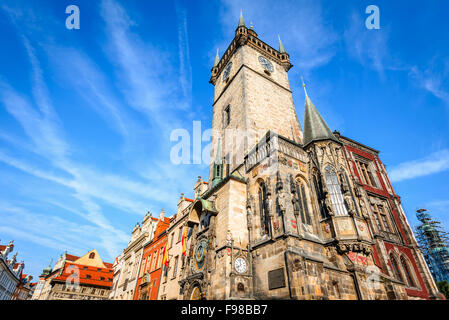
(354, 247)
(358, 191)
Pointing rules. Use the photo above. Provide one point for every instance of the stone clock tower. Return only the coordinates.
(287, 215)
(252, 95)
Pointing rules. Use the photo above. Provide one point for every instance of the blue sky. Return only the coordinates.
(86, 115)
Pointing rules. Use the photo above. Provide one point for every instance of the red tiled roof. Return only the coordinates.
(71, 257)
(205, 182)
(84, 271)
(2, 248)
(191, 200)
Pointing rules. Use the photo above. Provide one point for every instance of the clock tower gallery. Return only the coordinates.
(288, 215)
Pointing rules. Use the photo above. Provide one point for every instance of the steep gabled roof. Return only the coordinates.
(315, 128)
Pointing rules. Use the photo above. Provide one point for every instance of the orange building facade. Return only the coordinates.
(76, 278)
(150, 272)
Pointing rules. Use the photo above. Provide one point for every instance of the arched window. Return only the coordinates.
(335, 192)
(91, 255)
(300, 194)
(394, 265)
(263, 209)
(408, 274)
(319, 193)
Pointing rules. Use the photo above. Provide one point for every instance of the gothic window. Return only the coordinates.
(376, 216)
(263, 209)
(302, 201)
(366, 173)
(335, 192)
(394, 265)
(382, 215)
(408, 274)
(319, 194)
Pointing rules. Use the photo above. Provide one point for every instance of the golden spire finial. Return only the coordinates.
(251, 25)
(303, 85)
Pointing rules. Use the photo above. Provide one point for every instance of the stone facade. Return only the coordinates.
(287, 220)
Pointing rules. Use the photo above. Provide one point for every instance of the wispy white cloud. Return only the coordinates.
(434, 163)
(185, 66)
(54, 232)
(147, 86)
(142, 85)
(433, 79)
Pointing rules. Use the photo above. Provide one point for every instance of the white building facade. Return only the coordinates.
(10, 272)
(127, 263)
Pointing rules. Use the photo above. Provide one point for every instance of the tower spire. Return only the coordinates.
(217, 60)
(315, 128)
(241, 21)
(281, 45)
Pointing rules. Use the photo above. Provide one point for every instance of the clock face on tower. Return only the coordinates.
(227, 70)
(240, 265)
(266, 64)
(200, 255)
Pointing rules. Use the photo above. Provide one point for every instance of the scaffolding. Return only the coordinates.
(433, 242)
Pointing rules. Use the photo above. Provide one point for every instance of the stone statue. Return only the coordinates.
(349, 203)
(328, 204)
(296, 206)
(344, 185)
(282, 202)
(363, 209)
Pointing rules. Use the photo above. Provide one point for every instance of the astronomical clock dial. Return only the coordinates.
(200, 255)
(266, 64)
(240, 265)
(226, 71)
